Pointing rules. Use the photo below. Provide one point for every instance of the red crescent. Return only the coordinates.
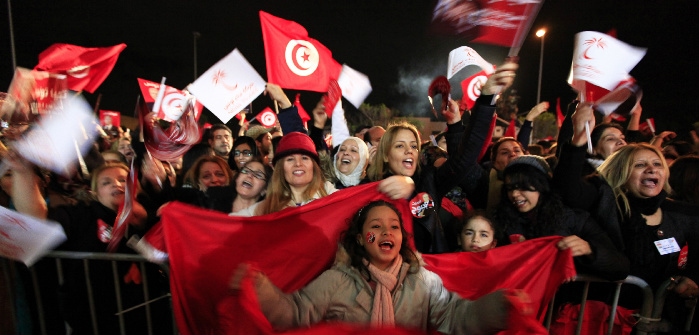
(293, 57)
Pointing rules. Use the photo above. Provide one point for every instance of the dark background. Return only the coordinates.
(386, 40)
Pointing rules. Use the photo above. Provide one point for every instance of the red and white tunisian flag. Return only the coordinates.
(229, 86)
(601, 64)
(294, 246)
(295, 60)
(267, 117)
(506, 23)
(86, 68)
(174, 101)
(471, 87)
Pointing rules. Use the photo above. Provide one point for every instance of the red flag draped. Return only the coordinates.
(294, 246)
(86, 68)
(295, 60)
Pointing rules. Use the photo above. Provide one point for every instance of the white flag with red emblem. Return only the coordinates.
(601, 64)
(267, 117)
(229, 86)
(462, 57)
(25, 238)
(355, 85)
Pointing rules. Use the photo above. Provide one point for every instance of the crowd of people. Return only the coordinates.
(629, 207)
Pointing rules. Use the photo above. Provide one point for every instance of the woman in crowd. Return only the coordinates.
(350, 163)
(529, 209)
(398, 155)
(684, 179)
(123, 145)
(377, 280)
(244, 149)
(208, 171)
(298, 178)
(628, 197)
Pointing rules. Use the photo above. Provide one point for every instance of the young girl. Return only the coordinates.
(476, 232)
(378, 280)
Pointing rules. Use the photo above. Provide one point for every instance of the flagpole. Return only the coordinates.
(12, 35)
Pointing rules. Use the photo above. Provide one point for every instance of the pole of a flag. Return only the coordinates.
(542, 34)
(12, 35)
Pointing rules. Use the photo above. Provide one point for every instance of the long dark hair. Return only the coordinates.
(357, 252)
(545, 218)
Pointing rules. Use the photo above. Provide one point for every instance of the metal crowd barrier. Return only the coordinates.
(649, 316)
(87, 258)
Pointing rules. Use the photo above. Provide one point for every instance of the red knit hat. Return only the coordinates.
(295, 143)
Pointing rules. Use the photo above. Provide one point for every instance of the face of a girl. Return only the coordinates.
(126, 149)
(612, 139)
(251, 180)
(381, 236)
(242, 154)
(524, 200)
(298, 170)
(211, 174)
(647, 176)
(111, 184)
(403, 154)
(477, 235)
(347, 157)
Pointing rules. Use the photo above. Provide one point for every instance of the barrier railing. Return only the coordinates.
(87, 259)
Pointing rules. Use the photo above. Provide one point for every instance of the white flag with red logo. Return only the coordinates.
(229, 86)
(462, 57)
(86, 68)
(26, 238)
(601, 64)
(354, 84)
(471, 87)
(55, 141)
(267, 117)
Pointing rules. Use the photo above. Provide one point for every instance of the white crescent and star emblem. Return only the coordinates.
(301, 57)
(474, 87)
(80, 71)
(268, 119)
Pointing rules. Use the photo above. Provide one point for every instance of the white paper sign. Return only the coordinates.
(228, 86)
(603, 60)
(462, 57)
(354, 84)
(25, 238)
(667, 246)
(55, 141)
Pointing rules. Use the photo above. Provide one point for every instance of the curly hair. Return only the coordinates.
(546, 215)
(357, 252)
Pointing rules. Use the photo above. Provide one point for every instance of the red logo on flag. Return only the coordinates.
(295, 60)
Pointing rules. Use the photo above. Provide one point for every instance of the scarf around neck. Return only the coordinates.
(382, 313)
(646, 206)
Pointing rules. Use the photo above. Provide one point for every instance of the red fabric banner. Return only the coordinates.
(295, 60)
(86, 68)
(295, 245)
(506, 23)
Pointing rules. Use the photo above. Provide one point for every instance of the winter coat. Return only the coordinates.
(342, 294)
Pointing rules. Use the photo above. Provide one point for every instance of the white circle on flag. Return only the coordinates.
(268, 119)
(301, 57)
(474, 87)
(172, 105)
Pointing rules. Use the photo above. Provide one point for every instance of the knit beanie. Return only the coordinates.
(295, 143)
(532, 160)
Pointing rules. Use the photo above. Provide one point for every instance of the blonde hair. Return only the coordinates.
(616, 170)
(379, 167)
(279, 191)
(192, 175)
(106, 166)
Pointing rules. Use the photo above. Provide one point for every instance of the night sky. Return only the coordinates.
(386, 40)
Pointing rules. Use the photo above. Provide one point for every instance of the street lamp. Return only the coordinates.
(540, 33)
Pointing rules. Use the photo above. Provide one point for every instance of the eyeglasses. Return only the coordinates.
(246, 153)
(257, 174)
